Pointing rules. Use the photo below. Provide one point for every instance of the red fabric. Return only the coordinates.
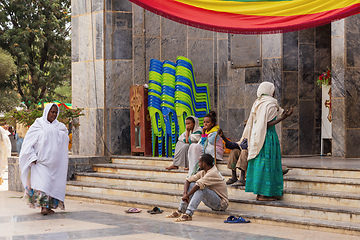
(237, 23)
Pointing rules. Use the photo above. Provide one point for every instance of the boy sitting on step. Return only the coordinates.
(207, 186)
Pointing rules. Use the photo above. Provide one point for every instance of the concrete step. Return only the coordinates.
(246, 202)
(324, 172)
(257, 217)
(154, 161)
(290, 194)
(348, 185)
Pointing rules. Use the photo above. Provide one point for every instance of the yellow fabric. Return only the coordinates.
(270, 8)
(214, 129)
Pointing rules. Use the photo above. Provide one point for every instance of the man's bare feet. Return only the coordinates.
(172, 167)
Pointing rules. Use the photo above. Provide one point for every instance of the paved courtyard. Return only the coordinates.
(84, 220)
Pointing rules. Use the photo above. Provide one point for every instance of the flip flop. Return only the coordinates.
(133, 210)
(233, 219)
(238, 183)
(156, 210)
(230, 181)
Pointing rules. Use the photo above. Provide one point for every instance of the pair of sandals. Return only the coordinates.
(235, 182)
(46, 211)
(155, 210)
(233, 219)
(265, 198)
(180, 217)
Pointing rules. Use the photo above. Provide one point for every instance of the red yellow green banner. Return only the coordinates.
(252, 16)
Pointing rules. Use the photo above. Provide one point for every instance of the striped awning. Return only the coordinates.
(252, 16)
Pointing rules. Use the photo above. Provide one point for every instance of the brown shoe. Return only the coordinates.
(175, 214)
(183, 218)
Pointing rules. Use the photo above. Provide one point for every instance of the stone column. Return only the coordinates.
(338, 87)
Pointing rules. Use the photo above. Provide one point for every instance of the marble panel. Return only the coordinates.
(122, 44)
(139, 61)
(223, 108)
(250, 97)
(323, 36)
(87, 133)
(306, 127)
(99, 150)
(173, 40)
(199, 33)
(79, 7)
(79, 83)
(307, 35)
(97, 5)
(338, 28)
(86, 52)
(118, 5)
(75, 39)
(138, 20)
(236, 122)
(290, 98)
(118, 82)
(352, 99)
(94, 83)
(338, 67)
(272, 73)
(236, 91)
(152, 50)
(352, 49)
(99, 35)
(201, 55)
(119, 131)
(222, 62)
(75, 139)
(271, 45)
(222, 35)
(318, 111)
(122, 20)
(322, 59)
(352, 24)
(216, 86)
(352, 143)
(290, 51)
(213, 106)
(338, 127)
(306, 71)
(253, 75)
(152, 24)
(290, 141)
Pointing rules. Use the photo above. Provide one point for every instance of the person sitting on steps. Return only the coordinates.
(237, 159)
(207, 186)
(190, 136)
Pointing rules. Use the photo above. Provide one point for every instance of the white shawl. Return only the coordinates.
(47, 144)
(264, 109)
(5, 149)
(194, 138)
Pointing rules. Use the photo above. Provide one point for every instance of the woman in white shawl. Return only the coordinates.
(264, 172)
(206, 144)
(5, 151)
(191, 135)
(44, 161)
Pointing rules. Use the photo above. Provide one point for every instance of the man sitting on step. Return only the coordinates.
(207, 186)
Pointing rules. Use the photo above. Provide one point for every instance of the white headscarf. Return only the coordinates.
(264, 109)
(197, 128)
(47, 144)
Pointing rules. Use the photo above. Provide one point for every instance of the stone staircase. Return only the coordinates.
(316, 197)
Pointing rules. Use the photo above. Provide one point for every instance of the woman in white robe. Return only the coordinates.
(5, 151)
(44, 161)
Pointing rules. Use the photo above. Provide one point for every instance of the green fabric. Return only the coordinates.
(264, 173)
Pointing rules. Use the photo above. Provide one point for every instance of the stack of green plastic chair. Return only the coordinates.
(168, 108)
(190, 98)
(154, 105)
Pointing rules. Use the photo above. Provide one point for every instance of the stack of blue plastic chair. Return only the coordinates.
(190, 98)
(168, 107)
(154, 105)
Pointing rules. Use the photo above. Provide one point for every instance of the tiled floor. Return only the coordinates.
(83, 220)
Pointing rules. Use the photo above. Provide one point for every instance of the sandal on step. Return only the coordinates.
(231, 181)
(185, 217)
(133, 210)
(155, 210)
(172, 167)
(175, 214)
(265, 198)
(233, 219)
(238, 183)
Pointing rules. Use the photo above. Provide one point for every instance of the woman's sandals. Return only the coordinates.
(46, 211)
(265, 198)
(180, 217)
(172, 167)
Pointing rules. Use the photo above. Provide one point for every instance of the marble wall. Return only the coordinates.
(113, 42)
